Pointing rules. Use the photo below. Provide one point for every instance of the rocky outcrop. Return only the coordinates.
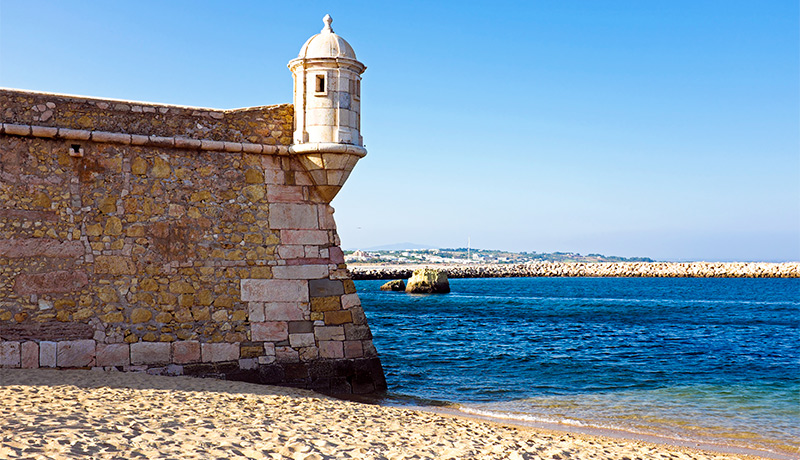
(428, 281)
(620, 269)
(395, 285)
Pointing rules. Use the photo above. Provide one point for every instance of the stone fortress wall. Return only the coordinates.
(174, 240)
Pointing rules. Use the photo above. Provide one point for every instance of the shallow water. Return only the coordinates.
(713, 360)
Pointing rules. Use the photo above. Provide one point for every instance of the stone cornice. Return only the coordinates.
(106, 137)
(339, 62)
(328, 147)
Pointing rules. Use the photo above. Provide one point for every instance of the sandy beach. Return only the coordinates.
(104, 415)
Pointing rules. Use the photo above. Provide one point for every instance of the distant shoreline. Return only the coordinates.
(588, 269)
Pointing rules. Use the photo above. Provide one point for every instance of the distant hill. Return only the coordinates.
(410, 253)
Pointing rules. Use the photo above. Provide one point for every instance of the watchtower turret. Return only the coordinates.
(327, 110)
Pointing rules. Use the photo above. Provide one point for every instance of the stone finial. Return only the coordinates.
(327, 20)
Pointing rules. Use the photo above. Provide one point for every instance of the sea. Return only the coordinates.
(692, 361)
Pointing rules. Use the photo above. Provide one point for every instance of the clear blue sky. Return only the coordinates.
(661, 129)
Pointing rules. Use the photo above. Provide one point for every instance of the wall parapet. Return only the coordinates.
(271, 125)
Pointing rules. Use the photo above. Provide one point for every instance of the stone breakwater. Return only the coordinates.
(615, 269)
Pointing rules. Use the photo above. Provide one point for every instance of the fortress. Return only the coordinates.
(179, 240)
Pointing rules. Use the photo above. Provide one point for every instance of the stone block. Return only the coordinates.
(297, 327)
(350, 301)
(44, 131)
(114, 265)
(301, 340)
(113, 226)
(321, 304)
(300, 272)
(349, 286)
(261, 272)
(138, 139)
(255, 312)
(218, 352)
(331, 349)
(308, 353)
(47, 354)
(329, 333)
(172, 369)
(139, 166)
(310, 261)
(266, 359)
(40, 247)
(291, 215)
(312, 252)
(184, 352)
(297, 371)
(140, 315)
(201, 314)
(272, 290)
(269, 331)
(303, 179)
(9, 354)
(369, 349)
(304, 237)
(26, 214)
(75, 353)
(325, 288)
(353, 349)
(340, 274)
(247, 364)
(286, 355)
(254, 193)
(160, 168)
(150, 353)
(55, 281)
(358, 315)
(113, 354)
(338, 317)
(274, 176)
(285, 194)
(291, 251)
(29, 355)
(251, 349)
(335, 160)
(336, 255)
(357, 332)
(254, 176)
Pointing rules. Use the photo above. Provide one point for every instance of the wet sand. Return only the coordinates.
(111, 415)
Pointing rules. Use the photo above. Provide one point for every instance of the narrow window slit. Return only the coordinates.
(75, 150)
(320, 83)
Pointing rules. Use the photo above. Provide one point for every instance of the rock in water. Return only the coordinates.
(396, 285)
(428, 281)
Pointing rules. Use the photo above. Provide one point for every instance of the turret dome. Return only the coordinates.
(326, 44)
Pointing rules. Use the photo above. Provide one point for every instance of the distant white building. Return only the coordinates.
(359, 256)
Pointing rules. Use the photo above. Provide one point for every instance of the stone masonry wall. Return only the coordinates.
(182, 241)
